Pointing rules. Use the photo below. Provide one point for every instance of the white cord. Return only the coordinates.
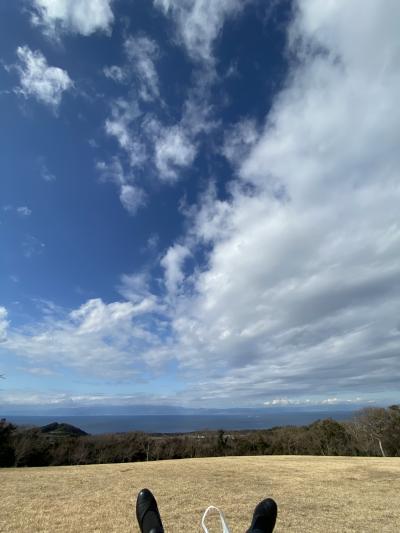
(224, 525)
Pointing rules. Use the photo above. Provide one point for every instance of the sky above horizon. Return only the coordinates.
(199, 202)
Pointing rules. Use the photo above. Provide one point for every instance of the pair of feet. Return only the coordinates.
(148, 516)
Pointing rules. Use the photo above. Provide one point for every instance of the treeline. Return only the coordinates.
(372, 432)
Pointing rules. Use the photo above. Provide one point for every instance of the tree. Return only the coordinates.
(378, 430)
(7, 455)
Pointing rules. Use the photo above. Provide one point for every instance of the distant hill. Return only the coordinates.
(62, 430)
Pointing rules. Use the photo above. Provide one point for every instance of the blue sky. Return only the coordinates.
(199, 203)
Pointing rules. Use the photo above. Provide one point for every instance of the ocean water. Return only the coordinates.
(179, 423)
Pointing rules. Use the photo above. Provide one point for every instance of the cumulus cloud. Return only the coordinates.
(300, 292)
(76, 16)
(45, 83)
(106, 340)
(296, 297)
(199, 22)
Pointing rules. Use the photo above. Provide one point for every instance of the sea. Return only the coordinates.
(96, 425)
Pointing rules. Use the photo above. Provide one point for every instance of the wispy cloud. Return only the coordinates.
(123, 125)
(32, 246)
(3, 324)
(142, 53)
(24, 211)
(199, 22)
(45, 173)
(38, 371)
(323, 402)
(132, 196)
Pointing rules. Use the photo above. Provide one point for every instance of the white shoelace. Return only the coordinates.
(224, 525)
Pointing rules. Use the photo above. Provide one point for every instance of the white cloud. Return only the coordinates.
(173, 151)
(135, 288)
(171, 148)
(121, 125)
(3, 324)
(21, 210)
(95, 316)
(132, 197)
(38, 371)
(24, 211)
(142, 52)
(300, 292)
(97, 339)
(32, 246)
(23, 398)
(298, 296)
(75, 16)
(44, 171)
(239, 140)
(199, 22)
(139, 70)
(173, 262)
(47, 84)
(115, 73)
(307, 402)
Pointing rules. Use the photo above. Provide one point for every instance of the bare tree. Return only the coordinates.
(372, 424)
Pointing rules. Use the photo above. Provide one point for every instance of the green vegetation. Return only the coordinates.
(373, 432)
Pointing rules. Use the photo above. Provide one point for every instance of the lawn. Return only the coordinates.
(324, 494)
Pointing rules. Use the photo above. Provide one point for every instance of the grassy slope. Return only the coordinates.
(324, 494)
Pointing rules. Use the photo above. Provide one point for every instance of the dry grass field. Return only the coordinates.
(324, 494)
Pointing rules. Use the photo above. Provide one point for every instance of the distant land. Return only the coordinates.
(181, 422)
(156, 409)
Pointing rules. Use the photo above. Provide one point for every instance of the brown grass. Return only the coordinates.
(324, 494)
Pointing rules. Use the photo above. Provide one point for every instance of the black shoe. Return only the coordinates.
(147, 513)
(264, 517)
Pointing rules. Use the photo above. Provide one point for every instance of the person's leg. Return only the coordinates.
(147, 513)
(264, 517)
